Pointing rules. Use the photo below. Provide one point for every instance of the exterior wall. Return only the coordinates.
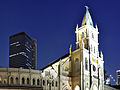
(20, 77)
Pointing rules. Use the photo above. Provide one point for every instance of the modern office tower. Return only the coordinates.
(22, 51)
(118, 77)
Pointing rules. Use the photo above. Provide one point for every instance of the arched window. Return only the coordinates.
(0, 80)
(92, 35)
(56, 84)
(43, 82)
(33, 81)
(91, 48)
(11, 80)
(94, 68)
(28, 80)
(77, 64)
(23, 80)
(38, 82)
(94, 49)
(53, 83)
(82, 34)
(5, 80)
(86, 64)
(47, 82)
(16, 80)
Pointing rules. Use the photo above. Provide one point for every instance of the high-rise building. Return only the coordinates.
(118, 77)
(22, 51)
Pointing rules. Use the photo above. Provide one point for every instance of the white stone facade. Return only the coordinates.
(20, 77)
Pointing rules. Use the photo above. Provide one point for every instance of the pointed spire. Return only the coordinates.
(101, 55)
(77, 28)
(96, 27)
(70, 49)
(87, 20)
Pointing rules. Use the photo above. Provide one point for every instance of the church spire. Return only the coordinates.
(87, 20)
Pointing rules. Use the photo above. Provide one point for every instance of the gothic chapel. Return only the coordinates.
(80, 69)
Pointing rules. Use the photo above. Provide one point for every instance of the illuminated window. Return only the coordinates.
(0, 80)
(33, 81)
(11, 80)
(5, 80)
(86, 64)
(77, 64)
(38, 82)
(28, 80)
(23, 81)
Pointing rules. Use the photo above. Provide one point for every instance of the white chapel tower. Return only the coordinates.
(92, 74)
(80, 69)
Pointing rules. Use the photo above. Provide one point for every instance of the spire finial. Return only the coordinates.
(86, 7)
(87, 20)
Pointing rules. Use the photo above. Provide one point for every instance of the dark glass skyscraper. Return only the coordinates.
(22, 51)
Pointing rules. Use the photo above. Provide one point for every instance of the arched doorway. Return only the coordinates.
(77, 87)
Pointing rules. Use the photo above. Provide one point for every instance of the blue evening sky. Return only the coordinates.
(53, 23)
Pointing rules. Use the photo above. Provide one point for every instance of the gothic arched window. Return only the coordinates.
(47, 82)
(28, 80)
(53, 83)
(77, 64)
(92, 35)
(94, 49)
(82, 34)
(56, 84)
(33, 81)
(16, 80)
(38, 82)
(43, 82)
(86, 64)
(94, 68)
(5, 80)
(91, 48)
(23, 80)
(11, 80)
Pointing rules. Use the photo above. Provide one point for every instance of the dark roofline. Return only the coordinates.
(55, 61)
(20, 34)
